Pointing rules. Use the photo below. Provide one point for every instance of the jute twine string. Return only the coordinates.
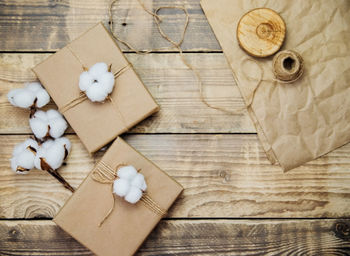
(278, 72)
(104, 174)
(174, 44)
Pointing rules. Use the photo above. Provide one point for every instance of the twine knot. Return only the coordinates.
(105, 174)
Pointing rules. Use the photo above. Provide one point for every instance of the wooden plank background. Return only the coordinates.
(235, 202)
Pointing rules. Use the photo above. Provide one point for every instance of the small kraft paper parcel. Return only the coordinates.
(119, 203)
(299, 121)
(95, 88)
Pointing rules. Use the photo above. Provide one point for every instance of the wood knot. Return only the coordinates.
(13, 233)
(225, 175)
(342, 230)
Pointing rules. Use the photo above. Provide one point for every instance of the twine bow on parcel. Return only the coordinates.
(126, 182)
(96, 84)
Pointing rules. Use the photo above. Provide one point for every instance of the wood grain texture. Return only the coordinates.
(193, 237)
(223, 176)
(48, 25)
(261, 32)
(174, 87)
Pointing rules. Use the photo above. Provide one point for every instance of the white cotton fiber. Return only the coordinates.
(127, 172)
(53, 152)
(22, 98)
(32, 94)
(138, 180)
(85, 81)
(98, 69)
(23, 156)
(34, 86)
(49, 123)
(65, 143)
(39, 129)
(96, 93)
(121, 187)
(134, 195)
(97, 82)
(129, 184)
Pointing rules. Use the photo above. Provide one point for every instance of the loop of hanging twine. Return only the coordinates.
(261, 76)
(105, 174)
(174, 44)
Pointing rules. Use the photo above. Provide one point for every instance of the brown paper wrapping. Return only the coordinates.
(96, 124)
(301, 121)
(129, 224)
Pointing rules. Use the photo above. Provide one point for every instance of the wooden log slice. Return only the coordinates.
(261, 32)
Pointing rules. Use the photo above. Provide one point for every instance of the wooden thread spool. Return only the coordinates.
(288, 66)
(261, 32)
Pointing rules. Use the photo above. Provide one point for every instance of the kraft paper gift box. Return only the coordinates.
(95, 123)
(124, 230)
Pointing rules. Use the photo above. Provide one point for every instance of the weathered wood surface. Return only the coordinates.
(48, 25)
(194, 237)
(174, 87)
(223, 176)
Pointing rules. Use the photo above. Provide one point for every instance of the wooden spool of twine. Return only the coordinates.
(287, 66)
(261, 32)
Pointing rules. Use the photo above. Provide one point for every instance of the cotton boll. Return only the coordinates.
(33, 94)
(138, 180)
(134, 195)
(23, 156)
(127, 172)
(97, 82)
(129, 184)
(47, 123)
(121, 187)
(52, 153)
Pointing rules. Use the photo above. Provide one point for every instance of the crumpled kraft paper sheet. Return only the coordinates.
(295, 122)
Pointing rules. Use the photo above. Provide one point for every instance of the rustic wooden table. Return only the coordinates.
(235, 202)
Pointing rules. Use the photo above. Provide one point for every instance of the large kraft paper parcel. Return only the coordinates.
(129, 224)
(96, 123)
(301, 121)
